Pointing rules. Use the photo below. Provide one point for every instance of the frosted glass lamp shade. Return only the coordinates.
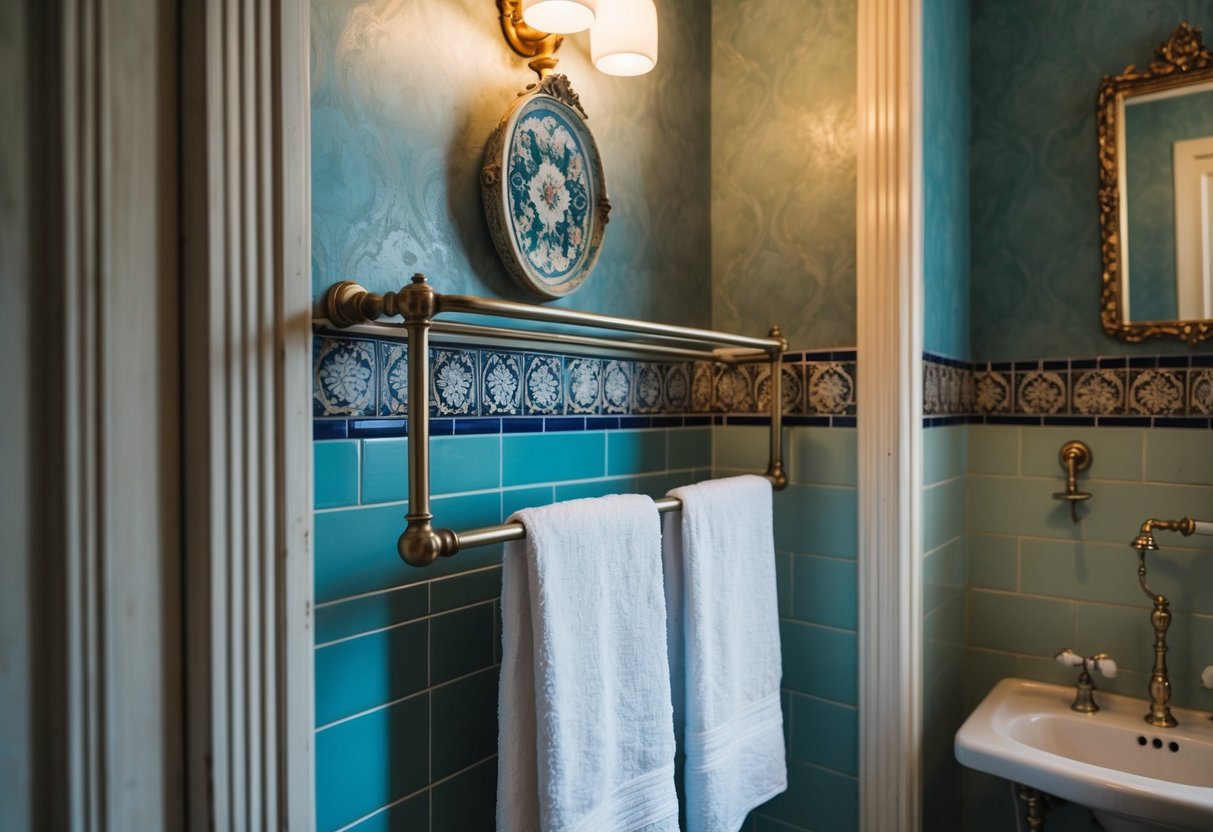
(560, 17)
(623, 40)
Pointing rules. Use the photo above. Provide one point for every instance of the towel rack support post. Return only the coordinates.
(775, 472)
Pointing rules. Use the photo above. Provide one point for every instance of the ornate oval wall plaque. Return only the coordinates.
(544, 193)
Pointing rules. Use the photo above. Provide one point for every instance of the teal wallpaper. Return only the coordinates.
(1150, 129)
(783, 169)
(1034, 178)
(404, 97)
(945, 177)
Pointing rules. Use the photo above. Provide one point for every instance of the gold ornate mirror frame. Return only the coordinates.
(1182, 60)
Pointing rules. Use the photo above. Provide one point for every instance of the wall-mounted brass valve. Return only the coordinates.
(1074, 457)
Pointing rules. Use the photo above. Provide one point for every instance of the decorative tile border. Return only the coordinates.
(1161, 391)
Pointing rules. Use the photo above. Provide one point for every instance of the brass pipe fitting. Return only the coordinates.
(1074, 458)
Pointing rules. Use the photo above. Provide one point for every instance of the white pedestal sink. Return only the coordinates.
(1132, 775)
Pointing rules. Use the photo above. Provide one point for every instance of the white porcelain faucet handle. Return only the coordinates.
(1069, 658)
(1206, 677)
(1107, 666)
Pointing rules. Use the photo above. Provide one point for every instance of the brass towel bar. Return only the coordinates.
(348, 305)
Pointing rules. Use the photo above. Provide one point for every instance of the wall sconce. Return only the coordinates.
(623, 33)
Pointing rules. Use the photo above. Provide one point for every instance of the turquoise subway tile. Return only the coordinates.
(335, 466)
(465, 801)
(818, 799)
(519, 498)
(740, 448)
(368, 671)
(690, 447)
(822, 456)
(993, 449)
(385, 470)
(825, 733)
(462, 513)
(461, 590)
(1180, 456)
(1018, 624)
(464, 722)
(817, 520)
(552, 457)
(943, 638)
(1115, 452)
(993, 562)
(765, 823)
(944, 453)
(368, 762)
(819, 661)
(943, 513)
(658, 485)
(412, 814)
(943, 574)
(635, 451)
(597, 488)
(370, 612)
(984, 803)
(461, 642)
(464, 463)
(824, 591)
(783, 583)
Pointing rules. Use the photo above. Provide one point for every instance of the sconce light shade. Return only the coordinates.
(560, 17)
(623, 40)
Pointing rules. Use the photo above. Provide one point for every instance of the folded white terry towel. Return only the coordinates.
(720, 580)
(585, 727)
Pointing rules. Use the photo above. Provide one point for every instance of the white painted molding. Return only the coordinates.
(889, 305)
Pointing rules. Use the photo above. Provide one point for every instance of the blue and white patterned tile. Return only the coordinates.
(1156, 392)
(831, 388)
(500, 383)
(1042, 392)
(931, 397)
(583, 385)
(1098, 392)
(393, 378)
(543, 385)
(992, 391)
(453, 384)
(647, 395)
(617, 386)
(678, 387)
(792, 390)
(1200, 392)
(702, 387)
(343, 380)
(734, 390)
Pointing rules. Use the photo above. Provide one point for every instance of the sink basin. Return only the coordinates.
(1133, 775)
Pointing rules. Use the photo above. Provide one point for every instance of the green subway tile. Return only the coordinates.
(741, 448)
(783, 583)
(1118, 508)
(1180, 456)
(368, 671)
(465, 802)
(819, 661)
(816, 799)
(943, 574)
(985, 801)
(1115, 452)
(461, 642)
(515, 499)
(658, 485)
(597, 488)
(552, 457)
(765, 823)
(817, 520)
(825, 733)
(824, 591)
(943, 638)
(335, 466)
(690, 447)
(944, 453)
(1126, 633)
(1046, 669)
(385, 470)
(993, 562)
(1018, 624)
(368, 762)
(983, 669)
(1013, 506)
(943, 513)
(464, 463)
(412, 814)
(635, 451)
(993, 449)
(461, 590)
(370, 612)
(822, 456)
(464, 722)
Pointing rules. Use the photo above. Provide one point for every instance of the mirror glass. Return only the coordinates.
(1156, 194)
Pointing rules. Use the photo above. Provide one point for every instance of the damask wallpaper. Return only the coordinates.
(783, 169)
(404, 96)
(1036, 65)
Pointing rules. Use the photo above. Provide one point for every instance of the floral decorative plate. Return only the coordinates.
(544, 194)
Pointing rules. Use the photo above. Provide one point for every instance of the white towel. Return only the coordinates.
(585, 733)
(720, 581)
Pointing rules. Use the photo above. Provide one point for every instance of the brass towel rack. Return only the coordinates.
(347, 304)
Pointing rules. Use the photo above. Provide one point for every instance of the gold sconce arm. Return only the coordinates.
(527, 41)
(1073, 457)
